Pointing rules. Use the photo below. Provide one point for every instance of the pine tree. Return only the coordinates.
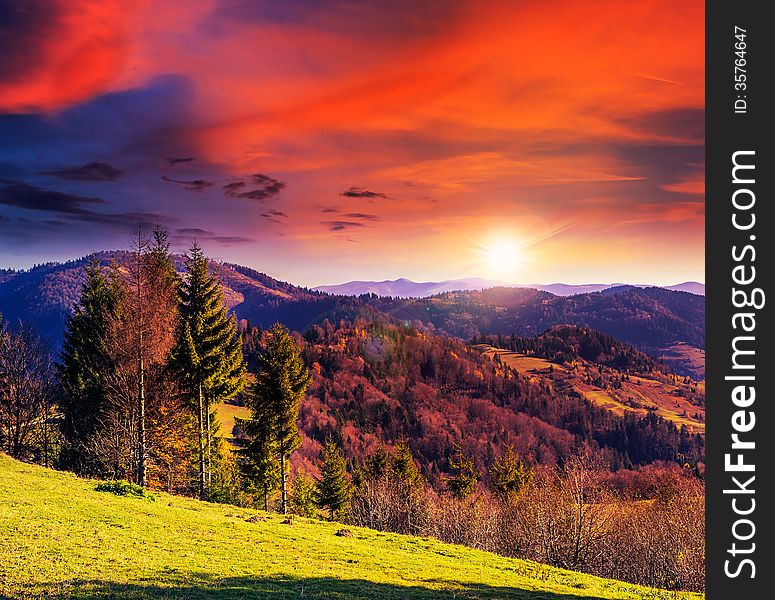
(159, 260)
(333, 490)
(377, 463)
(409, 486)
(302, 495)
(83, 365)
(281, 382)
(465, 475)
(509, 475)
(402, 464)
(208, 352)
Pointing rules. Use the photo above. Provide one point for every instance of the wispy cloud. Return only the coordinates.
(274, 216)
(177, 161)
(193, 185)
(356, 192)
(93, 171)
(362, 216)
(341, 225)
(264, 187)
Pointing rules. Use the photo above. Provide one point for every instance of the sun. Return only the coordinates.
(501, 257)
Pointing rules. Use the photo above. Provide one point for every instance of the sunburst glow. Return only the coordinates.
(501, 257)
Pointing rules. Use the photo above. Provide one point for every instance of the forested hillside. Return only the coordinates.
(379, 382)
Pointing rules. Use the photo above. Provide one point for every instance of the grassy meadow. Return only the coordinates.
(60, 538)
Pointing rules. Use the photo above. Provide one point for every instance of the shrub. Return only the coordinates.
(121, 487)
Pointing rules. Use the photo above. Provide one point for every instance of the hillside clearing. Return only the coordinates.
(226, 413)
(640, 395)
(61, 538)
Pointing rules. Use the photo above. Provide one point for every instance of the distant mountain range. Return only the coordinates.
(405, 288)
(652, 319)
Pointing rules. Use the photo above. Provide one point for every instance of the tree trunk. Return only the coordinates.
(266, 498)
(141, 444)
(143, 466)
(209, 451)
(282, 482)
(201, 444)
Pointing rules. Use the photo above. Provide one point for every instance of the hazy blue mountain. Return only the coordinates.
(406, 288)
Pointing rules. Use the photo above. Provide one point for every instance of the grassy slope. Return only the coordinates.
(226, 413)
(662, 397)
(60, 538)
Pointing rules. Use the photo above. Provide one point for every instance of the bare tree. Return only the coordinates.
(26, 389)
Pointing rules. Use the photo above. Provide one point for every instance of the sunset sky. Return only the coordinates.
(321, 142)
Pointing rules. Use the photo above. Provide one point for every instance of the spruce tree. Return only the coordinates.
(281, 382)
(509, 475)
(402, 464)
(332, 490)
(208, 352)
(465, 476)
(159, 260)
(302, 497)
(83, 364)
(376, 464)
(409, 486)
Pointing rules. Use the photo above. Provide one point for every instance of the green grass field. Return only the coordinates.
(59, 538)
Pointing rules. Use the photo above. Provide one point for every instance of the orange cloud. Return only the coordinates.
(533, 113)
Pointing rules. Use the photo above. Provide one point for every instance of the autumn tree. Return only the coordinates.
(142, 415)
(281, 382)
(333, 490)
(208, 353)
(171, 428)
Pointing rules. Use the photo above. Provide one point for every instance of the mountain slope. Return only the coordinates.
(45, 294)
(59, 537)
(648, 318)
(583, 362)
(376, 383)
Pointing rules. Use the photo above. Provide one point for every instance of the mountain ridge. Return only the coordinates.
(406, 288)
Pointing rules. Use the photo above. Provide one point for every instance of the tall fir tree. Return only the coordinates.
(509, 475)
(208, 353)
(333, 491)
(281, 382)
(464, 477)
(402, 464)
(83, 365)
